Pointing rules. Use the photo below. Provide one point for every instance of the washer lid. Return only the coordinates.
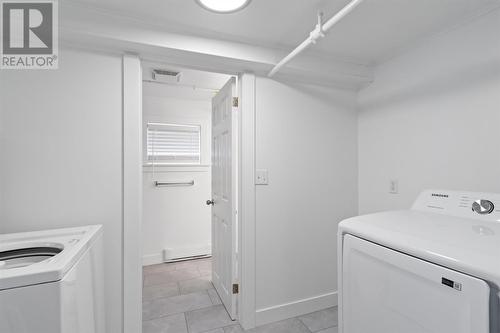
(43, 256)
(443, 231)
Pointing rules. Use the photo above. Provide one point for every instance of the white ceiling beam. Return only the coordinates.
(91, 28)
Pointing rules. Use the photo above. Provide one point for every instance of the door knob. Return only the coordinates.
(210, 202)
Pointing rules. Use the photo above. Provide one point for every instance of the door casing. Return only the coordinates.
(132, 216)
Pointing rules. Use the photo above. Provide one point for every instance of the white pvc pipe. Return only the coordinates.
(310, 40)
(341, 14)
(305, 44)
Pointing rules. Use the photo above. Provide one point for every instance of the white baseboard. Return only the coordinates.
(169, 255)
(152, 259)
(294, 309)
(174, 254)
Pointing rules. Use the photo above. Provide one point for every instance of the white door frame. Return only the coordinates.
(132, 196)
(246, 207)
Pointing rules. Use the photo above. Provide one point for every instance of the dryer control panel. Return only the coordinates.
(476, 205)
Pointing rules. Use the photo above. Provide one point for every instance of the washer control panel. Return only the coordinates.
(483, 207)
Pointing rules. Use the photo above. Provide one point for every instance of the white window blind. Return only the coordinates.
(173, 143)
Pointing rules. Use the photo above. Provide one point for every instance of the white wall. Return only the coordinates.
(60, 148)
(306, 137)
(431, 119)
(177, 217)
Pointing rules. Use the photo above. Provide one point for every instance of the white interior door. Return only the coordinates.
(224, 196)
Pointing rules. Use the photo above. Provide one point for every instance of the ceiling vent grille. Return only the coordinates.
(163, 75)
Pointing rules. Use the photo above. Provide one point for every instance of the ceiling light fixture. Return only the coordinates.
(223, 6)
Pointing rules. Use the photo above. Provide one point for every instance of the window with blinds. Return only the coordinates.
(173, 143)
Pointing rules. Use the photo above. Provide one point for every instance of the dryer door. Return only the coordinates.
(385, 291)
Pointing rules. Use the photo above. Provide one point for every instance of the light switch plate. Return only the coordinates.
(261, 177)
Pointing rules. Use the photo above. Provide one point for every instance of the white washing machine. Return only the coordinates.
(52, 281)
(434, 268)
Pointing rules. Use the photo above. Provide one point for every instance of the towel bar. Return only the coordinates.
(173, 184)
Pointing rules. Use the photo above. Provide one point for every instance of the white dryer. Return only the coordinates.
(432, 269)
(52, 281)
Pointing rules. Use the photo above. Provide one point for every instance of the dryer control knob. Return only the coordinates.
(483, 207)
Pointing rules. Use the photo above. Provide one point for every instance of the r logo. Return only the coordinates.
(27, 27)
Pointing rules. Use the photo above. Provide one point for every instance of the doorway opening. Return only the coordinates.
(190, 198)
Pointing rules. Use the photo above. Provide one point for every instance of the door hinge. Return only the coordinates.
(235, 102)
(236, 288)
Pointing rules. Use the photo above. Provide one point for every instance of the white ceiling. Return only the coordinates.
(370, 34)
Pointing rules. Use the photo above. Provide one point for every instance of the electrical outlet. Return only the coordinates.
(394, 186)
(261, 177)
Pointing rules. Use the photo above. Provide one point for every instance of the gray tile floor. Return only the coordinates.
(180, 298)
